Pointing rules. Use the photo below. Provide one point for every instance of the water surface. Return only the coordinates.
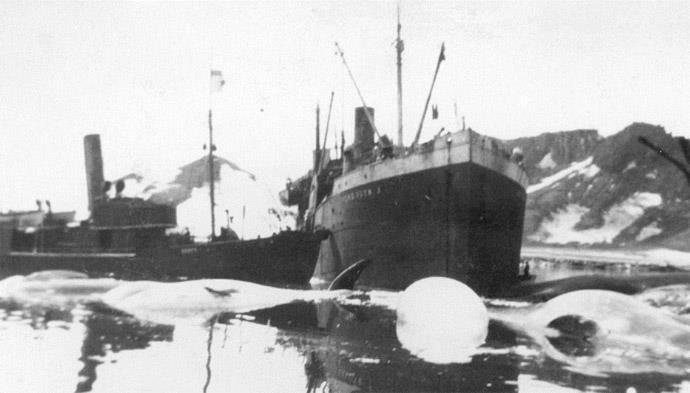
(338, 347)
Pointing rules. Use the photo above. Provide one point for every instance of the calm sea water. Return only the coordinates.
(344, 347)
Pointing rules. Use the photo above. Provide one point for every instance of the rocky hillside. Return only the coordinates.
(589, 190)
(547, 152)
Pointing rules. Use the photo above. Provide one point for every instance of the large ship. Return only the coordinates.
(130, 238)
(453, 206)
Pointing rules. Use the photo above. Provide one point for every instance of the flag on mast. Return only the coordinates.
(217, 81)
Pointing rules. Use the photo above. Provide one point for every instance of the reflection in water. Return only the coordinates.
(313, 368)
(39, 350)
(209, 344)
(360, 352)
(346, 346)
(108, 331)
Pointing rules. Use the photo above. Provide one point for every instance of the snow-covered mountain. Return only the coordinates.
(589, 190)
(242, 201)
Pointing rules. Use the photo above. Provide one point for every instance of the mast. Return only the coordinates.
(314, 189)
(317, 149)
(211, 175)
(441, 57)
(399, 48)
(216, 83)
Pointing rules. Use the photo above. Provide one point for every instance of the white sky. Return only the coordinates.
(137, 73)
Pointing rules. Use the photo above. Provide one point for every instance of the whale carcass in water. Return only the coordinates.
(55, 288)
(600, 332)
(163, 302)
(596, 332)
(197, 301)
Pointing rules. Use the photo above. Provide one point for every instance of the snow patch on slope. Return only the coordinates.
(648, 231)
(631, 165)
(560, 228)
(589, 171)
(547, 162)
(584, 167)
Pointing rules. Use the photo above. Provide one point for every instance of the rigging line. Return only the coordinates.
(342, 102)
(441, 57)
(658, 150)
(325, 136)
(366, 107)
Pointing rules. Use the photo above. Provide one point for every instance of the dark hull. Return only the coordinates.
(287, 258)
(462, 221)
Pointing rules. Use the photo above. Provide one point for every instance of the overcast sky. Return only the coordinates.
(137, 73)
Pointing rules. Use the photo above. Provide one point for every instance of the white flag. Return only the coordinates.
(217, 81)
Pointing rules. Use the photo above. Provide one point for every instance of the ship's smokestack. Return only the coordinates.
(364, 133)
(94, 169)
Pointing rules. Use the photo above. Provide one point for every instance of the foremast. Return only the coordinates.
(399, 48)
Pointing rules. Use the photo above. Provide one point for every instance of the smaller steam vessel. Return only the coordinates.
(127, 238)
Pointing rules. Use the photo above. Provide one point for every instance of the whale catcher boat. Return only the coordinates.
(129, 238)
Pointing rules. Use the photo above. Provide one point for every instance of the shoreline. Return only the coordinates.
(650, 257)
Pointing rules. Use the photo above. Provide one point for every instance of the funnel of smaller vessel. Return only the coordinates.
(94, 169)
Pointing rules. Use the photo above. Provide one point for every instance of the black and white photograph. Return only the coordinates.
(344, 196)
